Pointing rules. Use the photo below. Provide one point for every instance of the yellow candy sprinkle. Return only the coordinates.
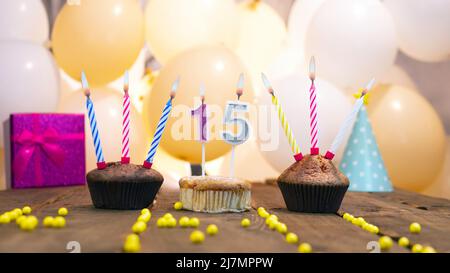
(5, 219)
(291, 238)
(304, 248)
(358, 221)
(144, 218)
(17, 211)
(417, 248)
(273, 224)
(428, 249)
(29, 224)
(385, 242)
(139, 227)
(48, 221)
(184, 221)
(132, 237)
(178, 205)
(415, 228)
(245, 222)
(63, 211)
(260, 209)
(171, 222)
(350, 218)
(132, 246)
(59, 222)
(194, 222)
(197, 237)
(161, 222)
(281, 228)
(264, 214)
(26, 210)
(374, 229)
(212, 229)
(366, 226)
(20, 219)
(145, 211)
(168, 215)
(12, 215)
(403, 241)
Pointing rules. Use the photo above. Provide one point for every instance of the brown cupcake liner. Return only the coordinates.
(312, 198)
(123, 195)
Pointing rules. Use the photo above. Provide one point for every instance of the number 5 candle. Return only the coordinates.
(349, 120)
(93, 123)
(286, 128)
(242, 124)
(161, 125)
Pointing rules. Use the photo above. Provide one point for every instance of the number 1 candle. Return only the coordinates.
(201, 112)
(314, 133)
(93, 123)
(161, 125)
(126, 122)
(349, 120)
(242, 124)
(286, 128)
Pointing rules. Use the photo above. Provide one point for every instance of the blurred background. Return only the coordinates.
(404, 44)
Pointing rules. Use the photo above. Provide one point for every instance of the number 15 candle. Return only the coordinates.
(161, 125)
(93, 123)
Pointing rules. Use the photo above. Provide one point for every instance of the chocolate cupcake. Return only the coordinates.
(123, 186)
(313, 184)
(215, 194)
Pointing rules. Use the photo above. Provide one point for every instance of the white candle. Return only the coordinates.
(348, 122)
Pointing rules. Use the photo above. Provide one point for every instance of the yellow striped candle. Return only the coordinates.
(282, 117)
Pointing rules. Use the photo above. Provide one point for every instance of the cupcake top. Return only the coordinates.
(117, 172)
(313, 169)
(214, 183)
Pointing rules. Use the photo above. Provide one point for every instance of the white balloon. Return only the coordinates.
(261, 34)
(293, 93)
(108, 111)
(173, 26)
(289, 61)
(398, 76)
(423, 28)
(300, 16)
(24, 20)
(352, 40)
(29, 80)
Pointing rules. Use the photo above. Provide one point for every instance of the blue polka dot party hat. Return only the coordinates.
(362, 162)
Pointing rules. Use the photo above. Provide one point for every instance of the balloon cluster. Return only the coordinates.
(212, 42)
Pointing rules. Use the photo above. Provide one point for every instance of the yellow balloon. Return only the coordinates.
(218, 69)
(410, 135)
(173, 26)
(262, 33)
(108, 111)
(102, 37)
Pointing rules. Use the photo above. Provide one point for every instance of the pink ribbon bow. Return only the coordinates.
(34, 144)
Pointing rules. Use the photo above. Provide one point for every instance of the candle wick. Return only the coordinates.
(87, 92)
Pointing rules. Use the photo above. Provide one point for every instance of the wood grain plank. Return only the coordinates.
(105, 230)
(393, 213)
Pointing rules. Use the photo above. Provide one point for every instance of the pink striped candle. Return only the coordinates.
(126, 122)
(313, 109)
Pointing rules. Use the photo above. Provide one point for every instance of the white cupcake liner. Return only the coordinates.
(215, 201)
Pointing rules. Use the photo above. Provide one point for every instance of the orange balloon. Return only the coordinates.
(218, 69)
(101, 37)
(410, 135)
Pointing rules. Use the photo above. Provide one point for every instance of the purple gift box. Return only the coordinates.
(47, 150)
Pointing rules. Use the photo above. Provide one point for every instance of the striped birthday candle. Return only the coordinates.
(160, 127)
(314, 133)
(126, 123)
(282, 117)
(93, 123)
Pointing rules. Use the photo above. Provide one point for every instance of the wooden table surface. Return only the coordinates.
(98, 230)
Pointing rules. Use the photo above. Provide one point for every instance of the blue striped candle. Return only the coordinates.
(160, 128)
(93, 123)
